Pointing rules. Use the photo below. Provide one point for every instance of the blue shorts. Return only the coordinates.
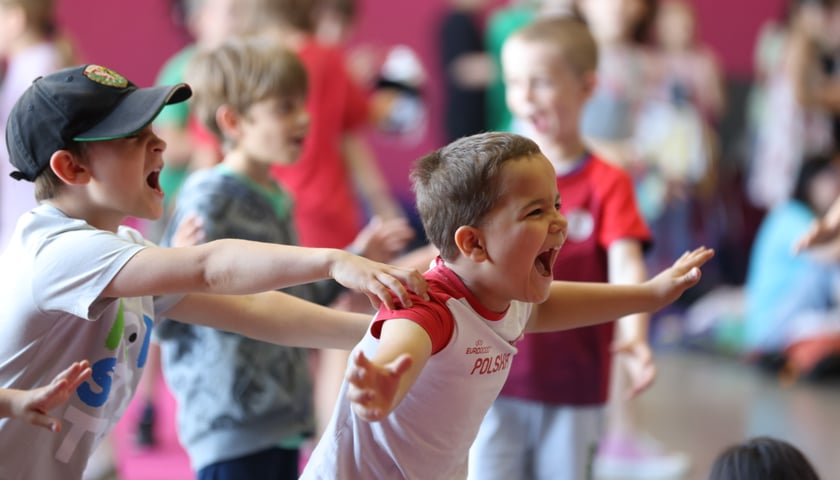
(270, 464)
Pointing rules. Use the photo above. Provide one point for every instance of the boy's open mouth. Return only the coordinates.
(153, 180)
(545, 262)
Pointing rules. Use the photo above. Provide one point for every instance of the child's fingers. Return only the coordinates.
(690, 278)
(400, 365)
(75, 374)
(415, 282)
(375, 302)
(360, 395)
(696, 257)
(394, 285)
(70, 371)
(641, 385)
(367, 413)
(74, 382)
(47, 396)
(358, 371)
(379, 291)
(45, 421)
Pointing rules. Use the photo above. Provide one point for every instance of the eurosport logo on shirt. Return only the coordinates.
(487, 364)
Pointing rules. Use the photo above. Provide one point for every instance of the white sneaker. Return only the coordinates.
(642, 459)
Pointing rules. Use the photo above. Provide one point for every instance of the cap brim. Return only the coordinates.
(134, 112)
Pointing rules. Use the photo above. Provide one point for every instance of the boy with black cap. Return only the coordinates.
(86, 287)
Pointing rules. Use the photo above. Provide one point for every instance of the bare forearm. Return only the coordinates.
(633, 328)
(627, 266)
(578, 304)
(239, 266)
(832, 216)
(274, 317)
(6, 396)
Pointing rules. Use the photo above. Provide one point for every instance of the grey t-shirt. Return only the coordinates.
(236, 395)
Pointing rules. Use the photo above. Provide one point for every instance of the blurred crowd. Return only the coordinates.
(658, 103)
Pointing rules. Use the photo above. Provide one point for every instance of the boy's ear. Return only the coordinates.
(470, 242)
(67, 167)
(228, 121)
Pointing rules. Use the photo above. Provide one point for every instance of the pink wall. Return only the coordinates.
(136, 37)
(133, 38)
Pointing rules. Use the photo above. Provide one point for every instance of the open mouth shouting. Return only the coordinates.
(153, 180)
(545, 261)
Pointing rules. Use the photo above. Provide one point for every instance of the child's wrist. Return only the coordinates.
(335, 257)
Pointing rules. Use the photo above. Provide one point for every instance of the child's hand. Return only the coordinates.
(818, 234)
(372, 388)
(32, 405)
(381, 240)
(379, 281)
(636, 359)
(682, 275)
(190, 232)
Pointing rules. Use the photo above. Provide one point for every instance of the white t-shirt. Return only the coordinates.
(54, 270)
(429, 434)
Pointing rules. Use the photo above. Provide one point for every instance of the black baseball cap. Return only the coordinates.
(87, 103)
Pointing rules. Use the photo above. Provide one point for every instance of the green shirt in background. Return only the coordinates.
(500, 26)
(174, 116)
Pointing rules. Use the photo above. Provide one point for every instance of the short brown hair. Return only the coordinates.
(459, 183)
(239, 73)
(571, 38)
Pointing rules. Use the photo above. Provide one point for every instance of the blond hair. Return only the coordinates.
(570, 38)
(239, 73)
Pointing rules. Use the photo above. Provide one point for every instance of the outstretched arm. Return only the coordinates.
(577, 304)
(273, 317)
(33, 405)
(824, 232)
(377, 386)
(241, 267)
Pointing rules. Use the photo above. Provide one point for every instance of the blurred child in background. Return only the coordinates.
(501, 23)
(675, 139)
(336, 182)
(793, 300)
(627, 75)
(30, 46)
(801, 99)
(466, 67)
(252, 95)
(190, 146)
(547, 421)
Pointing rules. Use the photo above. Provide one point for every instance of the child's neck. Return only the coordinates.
(80, 208)
(563, 155)
(241, 164)
(471, 275)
